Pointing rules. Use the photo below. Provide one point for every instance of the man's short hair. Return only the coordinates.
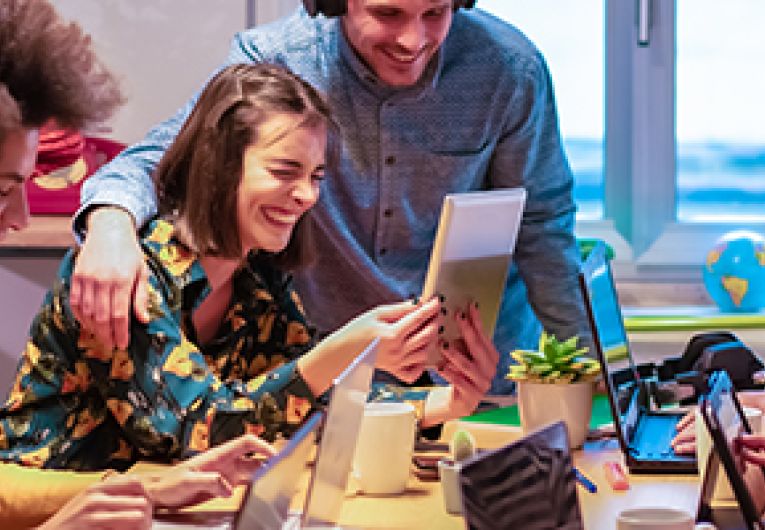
(48, 70)
(199, 174)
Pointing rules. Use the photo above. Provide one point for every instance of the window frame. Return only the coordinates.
(640, 166)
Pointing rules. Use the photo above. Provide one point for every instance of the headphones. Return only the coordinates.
(336, 8)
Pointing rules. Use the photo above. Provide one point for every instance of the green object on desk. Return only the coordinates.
(601, 414)
(703, 319)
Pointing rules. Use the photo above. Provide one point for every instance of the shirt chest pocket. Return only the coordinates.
(455, 166)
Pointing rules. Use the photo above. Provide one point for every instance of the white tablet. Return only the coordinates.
(472, 253)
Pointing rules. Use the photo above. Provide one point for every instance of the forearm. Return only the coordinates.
(36, 494)
(321, 365)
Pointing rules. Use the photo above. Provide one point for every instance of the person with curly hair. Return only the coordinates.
(49, 72)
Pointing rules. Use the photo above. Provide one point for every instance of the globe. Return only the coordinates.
(734, 272)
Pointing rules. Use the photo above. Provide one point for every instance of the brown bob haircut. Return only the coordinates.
(48, 70)
(199, 175)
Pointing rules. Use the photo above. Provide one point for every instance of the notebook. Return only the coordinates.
(471, 254)
(269, 502)
(725, 420)
(527, 484)
(644, 435)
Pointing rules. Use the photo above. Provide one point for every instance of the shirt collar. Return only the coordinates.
(370, 81)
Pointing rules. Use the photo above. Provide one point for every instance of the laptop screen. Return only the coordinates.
(267, 501)
(610, 337)
(527, 484)
(326, 492)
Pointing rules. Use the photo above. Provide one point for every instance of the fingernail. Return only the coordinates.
(442, 298)
(462, 315)
(475, 304)
(440, 330)
(444, 311)
(445, 344)
(415, 300)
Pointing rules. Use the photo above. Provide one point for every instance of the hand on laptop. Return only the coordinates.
(752, 448)
(211, 474)
(119, 503)
(469, 364)
(685, 440)
(684, 443)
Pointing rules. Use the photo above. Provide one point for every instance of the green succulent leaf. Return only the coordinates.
(555, 361)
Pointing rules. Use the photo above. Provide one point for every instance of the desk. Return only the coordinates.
(43, 232)
(421, 506)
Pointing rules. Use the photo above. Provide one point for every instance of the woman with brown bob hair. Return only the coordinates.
(227, 349)
(199, 173)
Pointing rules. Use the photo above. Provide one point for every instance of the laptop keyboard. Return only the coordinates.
(654, 434)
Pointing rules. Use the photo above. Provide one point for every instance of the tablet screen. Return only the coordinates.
(471, 255)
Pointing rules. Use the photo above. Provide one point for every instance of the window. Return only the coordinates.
(720, 111)
(574, 54)
(682, 113)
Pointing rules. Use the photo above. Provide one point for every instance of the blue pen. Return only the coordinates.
(584, 481)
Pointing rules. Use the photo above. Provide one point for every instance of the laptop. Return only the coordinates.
(644, 435)
(267, 500)
(527, 484)
(725, 420)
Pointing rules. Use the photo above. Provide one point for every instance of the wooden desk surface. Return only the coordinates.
(421, 506)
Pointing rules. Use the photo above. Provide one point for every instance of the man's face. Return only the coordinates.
(18, 152)
(397, 38)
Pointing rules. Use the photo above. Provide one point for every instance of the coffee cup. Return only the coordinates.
(655, 519)
(383, 457)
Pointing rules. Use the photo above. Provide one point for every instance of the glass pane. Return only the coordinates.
(720, 110)
(571, 36)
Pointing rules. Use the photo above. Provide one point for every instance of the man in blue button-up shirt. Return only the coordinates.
(430, 100)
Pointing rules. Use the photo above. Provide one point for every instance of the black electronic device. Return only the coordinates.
(529, 484)
(644, 434)
(725, 420)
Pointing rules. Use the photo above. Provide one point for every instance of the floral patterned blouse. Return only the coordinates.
(76, 405)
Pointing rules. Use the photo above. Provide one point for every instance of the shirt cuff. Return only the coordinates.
(117, 197)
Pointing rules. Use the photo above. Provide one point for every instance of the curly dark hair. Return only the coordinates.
(200, 172)
(48, 70)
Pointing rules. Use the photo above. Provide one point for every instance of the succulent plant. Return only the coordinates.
(555, 362)
(462, 445)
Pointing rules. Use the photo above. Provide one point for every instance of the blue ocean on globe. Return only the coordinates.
(734, 272)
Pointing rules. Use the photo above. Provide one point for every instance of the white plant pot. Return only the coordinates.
(543, 403)
(449, 472)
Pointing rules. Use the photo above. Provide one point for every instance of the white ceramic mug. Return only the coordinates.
(383, 457)
(655, 519)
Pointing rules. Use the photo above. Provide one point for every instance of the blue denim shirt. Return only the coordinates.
(482, 116)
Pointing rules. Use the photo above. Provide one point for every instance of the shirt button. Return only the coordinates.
(388, 212)
(390, 160)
